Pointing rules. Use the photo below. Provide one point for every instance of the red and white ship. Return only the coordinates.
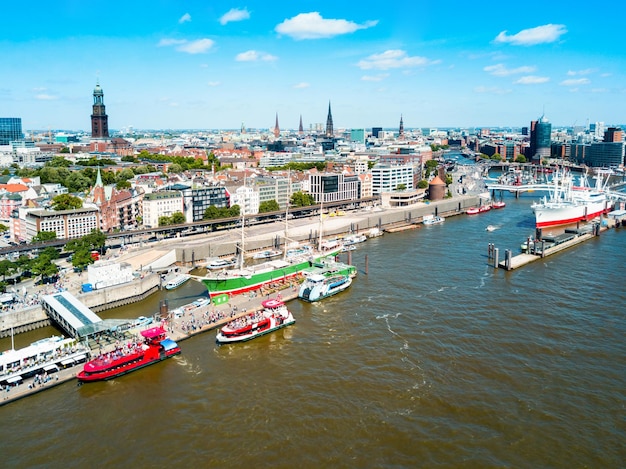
(570, 204)
(155, 347)
(273, 316)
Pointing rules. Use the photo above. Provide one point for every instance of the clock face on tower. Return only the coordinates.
(96, 110)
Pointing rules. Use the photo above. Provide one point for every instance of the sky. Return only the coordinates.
(190, 64)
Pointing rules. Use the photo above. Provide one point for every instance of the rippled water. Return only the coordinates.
(432, 359)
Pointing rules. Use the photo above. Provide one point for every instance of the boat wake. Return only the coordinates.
(191, 368)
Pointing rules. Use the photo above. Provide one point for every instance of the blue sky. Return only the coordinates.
(215, 65)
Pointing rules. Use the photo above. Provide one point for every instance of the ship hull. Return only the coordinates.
(562, 214)
(231, 283)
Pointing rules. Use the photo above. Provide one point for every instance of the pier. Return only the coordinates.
(542, 248)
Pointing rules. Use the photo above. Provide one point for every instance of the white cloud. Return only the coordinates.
(198, 46)
(392, 59)
(214, 83)
(500, 70)
(587, 71)
(183, 19)
(313, 26)
(234, 14)
(254, 56)
(46, 97)
(301, 86)
(491, 90)
(530, 37)
(531, 80)
(379, 77)
(575, 82)
(170, 42)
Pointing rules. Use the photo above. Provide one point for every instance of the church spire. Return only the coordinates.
(300, 128)
(401, 130)
(99, 179)
(329, 123)
(276, 128)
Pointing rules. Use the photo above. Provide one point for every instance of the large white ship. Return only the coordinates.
(569, 204)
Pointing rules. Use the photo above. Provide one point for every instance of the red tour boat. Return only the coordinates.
(274, 316)
(155, 347)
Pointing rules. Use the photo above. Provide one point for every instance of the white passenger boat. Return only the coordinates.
(318, 286)
(176, 282)
(274, 316)
(432, 220)
(267, 254)
(216, 264)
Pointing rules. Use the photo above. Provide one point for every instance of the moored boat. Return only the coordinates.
(354, 239)
(253, 277)
(216, 264)
(272, 317)
(132, 356)
(568, 204)
(432, 219)
(499, 204)
(318, 286)
(176, 282)
(267, 254)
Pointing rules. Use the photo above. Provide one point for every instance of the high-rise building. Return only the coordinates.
(329, 123)
(613, 134)
(10, 130)
(540, 138)
(99, 118)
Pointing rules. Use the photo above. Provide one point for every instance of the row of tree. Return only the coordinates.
(43, 264)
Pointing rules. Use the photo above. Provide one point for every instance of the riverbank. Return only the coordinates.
(193, 252)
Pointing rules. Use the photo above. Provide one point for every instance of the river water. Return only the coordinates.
(432, 359)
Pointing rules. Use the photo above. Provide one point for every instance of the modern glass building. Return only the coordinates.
(10, 130)
(540, 138)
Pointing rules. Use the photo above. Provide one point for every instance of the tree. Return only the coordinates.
(520, 159)
(401, 187)
(125, 174)
(268, 206)
(77, 182)
(301, 199)
(42, 236)
(81, 258)
(3, 227)
(177, 218)
(58, 162)
(175, 168)
(66, 202)
(91, 242)
(423, 184)
(7, 268)
(123, 185)
(164, 221)
(43, 265)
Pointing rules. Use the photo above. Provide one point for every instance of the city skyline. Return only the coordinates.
(196, 66)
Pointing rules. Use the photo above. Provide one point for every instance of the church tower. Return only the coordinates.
(401, 130)
(300, 128)
(99, 118)
(329, 123)
(276, 128)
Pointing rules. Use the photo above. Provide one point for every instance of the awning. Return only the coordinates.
(80, 357)
(51, 368)
(14, 379)
(69, 361)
